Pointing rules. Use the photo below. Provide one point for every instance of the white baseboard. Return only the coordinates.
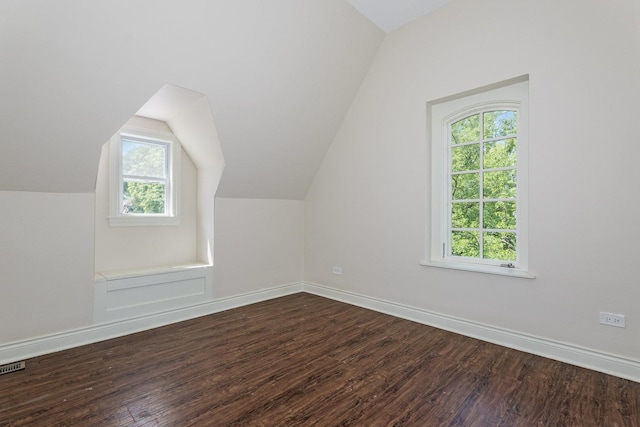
(61, 341)
(590, 359)
(597, 361)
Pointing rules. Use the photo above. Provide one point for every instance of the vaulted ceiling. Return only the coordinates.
(280, 76)
(390, 15)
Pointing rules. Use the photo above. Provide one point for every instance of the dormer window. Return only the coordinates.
(144, 175)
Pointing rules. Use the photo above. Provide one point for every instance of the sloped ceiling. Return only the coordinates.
(390, 15)
(279, 75)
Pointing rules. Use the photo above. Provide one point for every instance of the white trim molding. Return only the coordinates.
(126, 294)
(65, 340)
(574, 355)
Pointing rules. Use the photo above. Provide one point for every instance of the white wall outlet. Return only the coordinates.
(612, 319)
(337, 270)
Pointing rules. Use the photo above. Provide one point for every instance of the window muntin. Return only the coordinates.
(482, 170)
(479, 180)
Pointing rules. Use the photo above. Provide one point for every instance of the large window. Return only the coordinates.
(479, 181)
(144, 178)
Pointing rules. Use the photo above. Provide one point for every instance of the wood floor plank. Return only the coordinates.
(304, 360)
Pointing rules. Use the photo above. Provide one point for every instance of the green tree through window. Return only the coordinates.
(144, 177)
(483, 175)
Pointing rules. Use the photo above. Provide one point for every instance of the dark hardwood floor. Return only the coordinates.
(303, 360)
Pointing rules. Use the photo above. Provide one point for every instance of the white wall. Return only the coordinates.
(259, 243)
(366, 210)
(279, 80)
(135, 247)
(46, 263)
(47, 260)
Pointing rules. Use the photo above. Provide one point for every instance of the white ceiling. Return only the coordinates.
(279, 77)
(389, 15)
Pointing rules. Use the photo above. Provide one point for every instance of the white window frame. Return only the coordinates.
(172, 208)
(511, 95)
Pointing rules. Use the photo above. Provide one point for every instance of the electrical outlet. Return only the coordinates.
(337, 270)
(611, 319)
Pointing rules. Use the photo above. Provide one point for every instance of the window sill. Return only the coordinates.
(143, 221)
(478, 268)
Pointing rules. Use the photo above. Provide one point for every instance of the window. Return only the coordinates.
(479, 181)
(144, 178)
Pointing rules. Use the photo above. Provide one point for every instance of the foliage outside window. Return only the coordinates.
(144, 178)
(479, 182)
(483, 153)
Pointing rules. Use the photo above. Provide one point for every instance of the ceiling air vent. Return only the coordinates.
(12, 367)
